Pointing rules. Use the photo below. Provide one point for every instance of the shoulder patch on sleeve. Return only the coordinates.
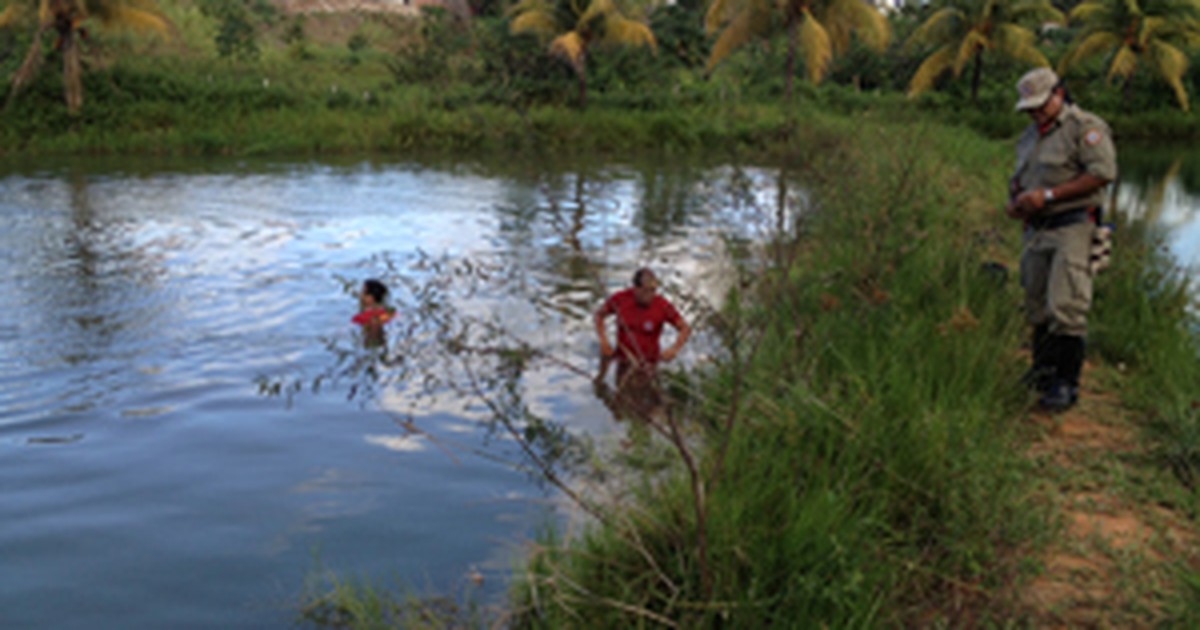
(1093, 137)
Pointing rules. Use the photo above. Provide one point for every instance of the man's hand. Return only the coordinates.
(669, 353)
(606, 349)
(1013, 211)
(1026, 203)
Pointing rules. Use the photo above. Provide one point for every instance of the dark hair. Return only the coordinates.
(639, 276)
(375, 289)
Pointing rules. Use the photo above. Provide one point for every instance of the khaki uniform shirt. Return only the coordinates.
(1078, 142)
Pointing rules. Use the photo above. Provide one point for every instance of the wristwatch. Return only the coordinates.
(1048, 195)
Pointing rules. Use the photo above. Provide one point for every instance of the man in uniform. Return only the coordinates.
(1065, 158)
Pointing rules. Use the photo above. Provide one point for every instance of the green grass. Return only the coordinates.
(361, 605)
(872, 474)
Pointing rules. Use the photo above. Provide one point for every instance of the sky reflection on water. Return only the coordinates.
(144, 471)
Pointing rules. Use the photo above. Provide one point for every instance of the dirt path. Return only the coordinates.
(1114, 562)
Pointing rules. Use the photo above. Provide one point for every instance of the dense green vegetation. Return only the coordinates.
(242, 77)
(862, 468)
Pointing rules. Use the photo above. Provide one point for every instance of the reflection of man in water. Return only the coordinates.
(641, 314)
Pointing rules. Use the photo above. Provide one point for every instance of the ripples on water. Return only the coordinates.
(144, 473)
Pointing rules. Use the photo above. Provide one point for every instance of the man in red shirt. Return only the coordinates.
(641, 313)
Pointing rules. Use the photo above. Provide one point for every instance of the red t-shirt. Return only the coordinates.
(377, 315)
(639, 327)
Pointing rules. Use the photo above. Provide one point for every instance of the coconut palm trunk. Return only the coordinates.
(72, 71)
(793, 37)
(976, 76)
(581, 75)
(29, 67)
(1127, 91)
(66, 19)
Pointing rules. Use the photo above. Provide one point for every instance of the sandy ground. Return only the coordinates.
(1113, 564)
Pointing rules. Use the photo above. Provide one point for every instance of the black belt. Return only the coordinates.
(1061, 219)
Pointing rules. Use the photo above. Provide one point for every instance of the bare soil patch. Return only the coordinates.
(1112, 564)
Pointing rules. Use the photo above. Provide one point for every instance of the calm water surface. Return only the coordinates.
(146, 481)
(1161, 184)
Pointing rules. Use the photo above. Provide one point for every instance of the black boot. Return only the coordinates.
(1041, 375)
(1067, 356)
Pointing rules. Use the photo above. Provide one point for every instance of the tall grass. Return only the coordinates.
(864, 472)
(1150, 323)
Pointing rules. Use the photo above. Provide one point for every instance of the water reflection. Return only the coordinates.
(503, 338)
(187, 413)
(1163, 188)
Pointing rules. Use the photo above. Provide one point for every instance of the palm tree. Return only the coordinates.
(820, 29)
(1136, 33)
(573, 28)
(962, 30)
(67, 18)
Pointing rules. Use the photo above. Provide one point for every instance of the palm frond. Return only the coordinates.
(571, 47)
(1123, 63)
(933, 67)
(596, 12)
(1033, 11)
(1090, 11)
(29, 67)
(11, 15)
(134, 19)
(535, 22)
(619, 29)
(941, 27)
(815, 47)
(1171, 64)
(1019, 43)
(745, 27)
(845, 18)
(1086, 48)
(715, 16)
(523, 6)
(967, 49)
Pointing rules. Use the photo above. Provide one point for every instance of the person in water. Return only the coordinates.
(374, 311)
(641, 315)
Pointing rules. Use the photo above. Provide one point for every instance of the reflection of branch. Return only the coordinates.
(545, 468)
(408, 425)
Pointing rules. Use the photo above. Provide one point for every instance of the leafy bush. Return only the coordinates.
(434, 53)
(516, 69)
(237, 25)
(680, 34)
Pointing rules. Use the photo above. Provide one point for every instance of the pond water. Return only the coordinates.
(167, 459)
(1161, 184)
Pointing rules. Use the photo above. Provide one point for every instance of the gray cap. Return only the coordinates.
(1035, 88)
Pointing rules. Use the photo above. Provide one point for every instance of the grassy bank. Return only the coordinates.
(180, 107)
(868, 475)
(864, 450)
